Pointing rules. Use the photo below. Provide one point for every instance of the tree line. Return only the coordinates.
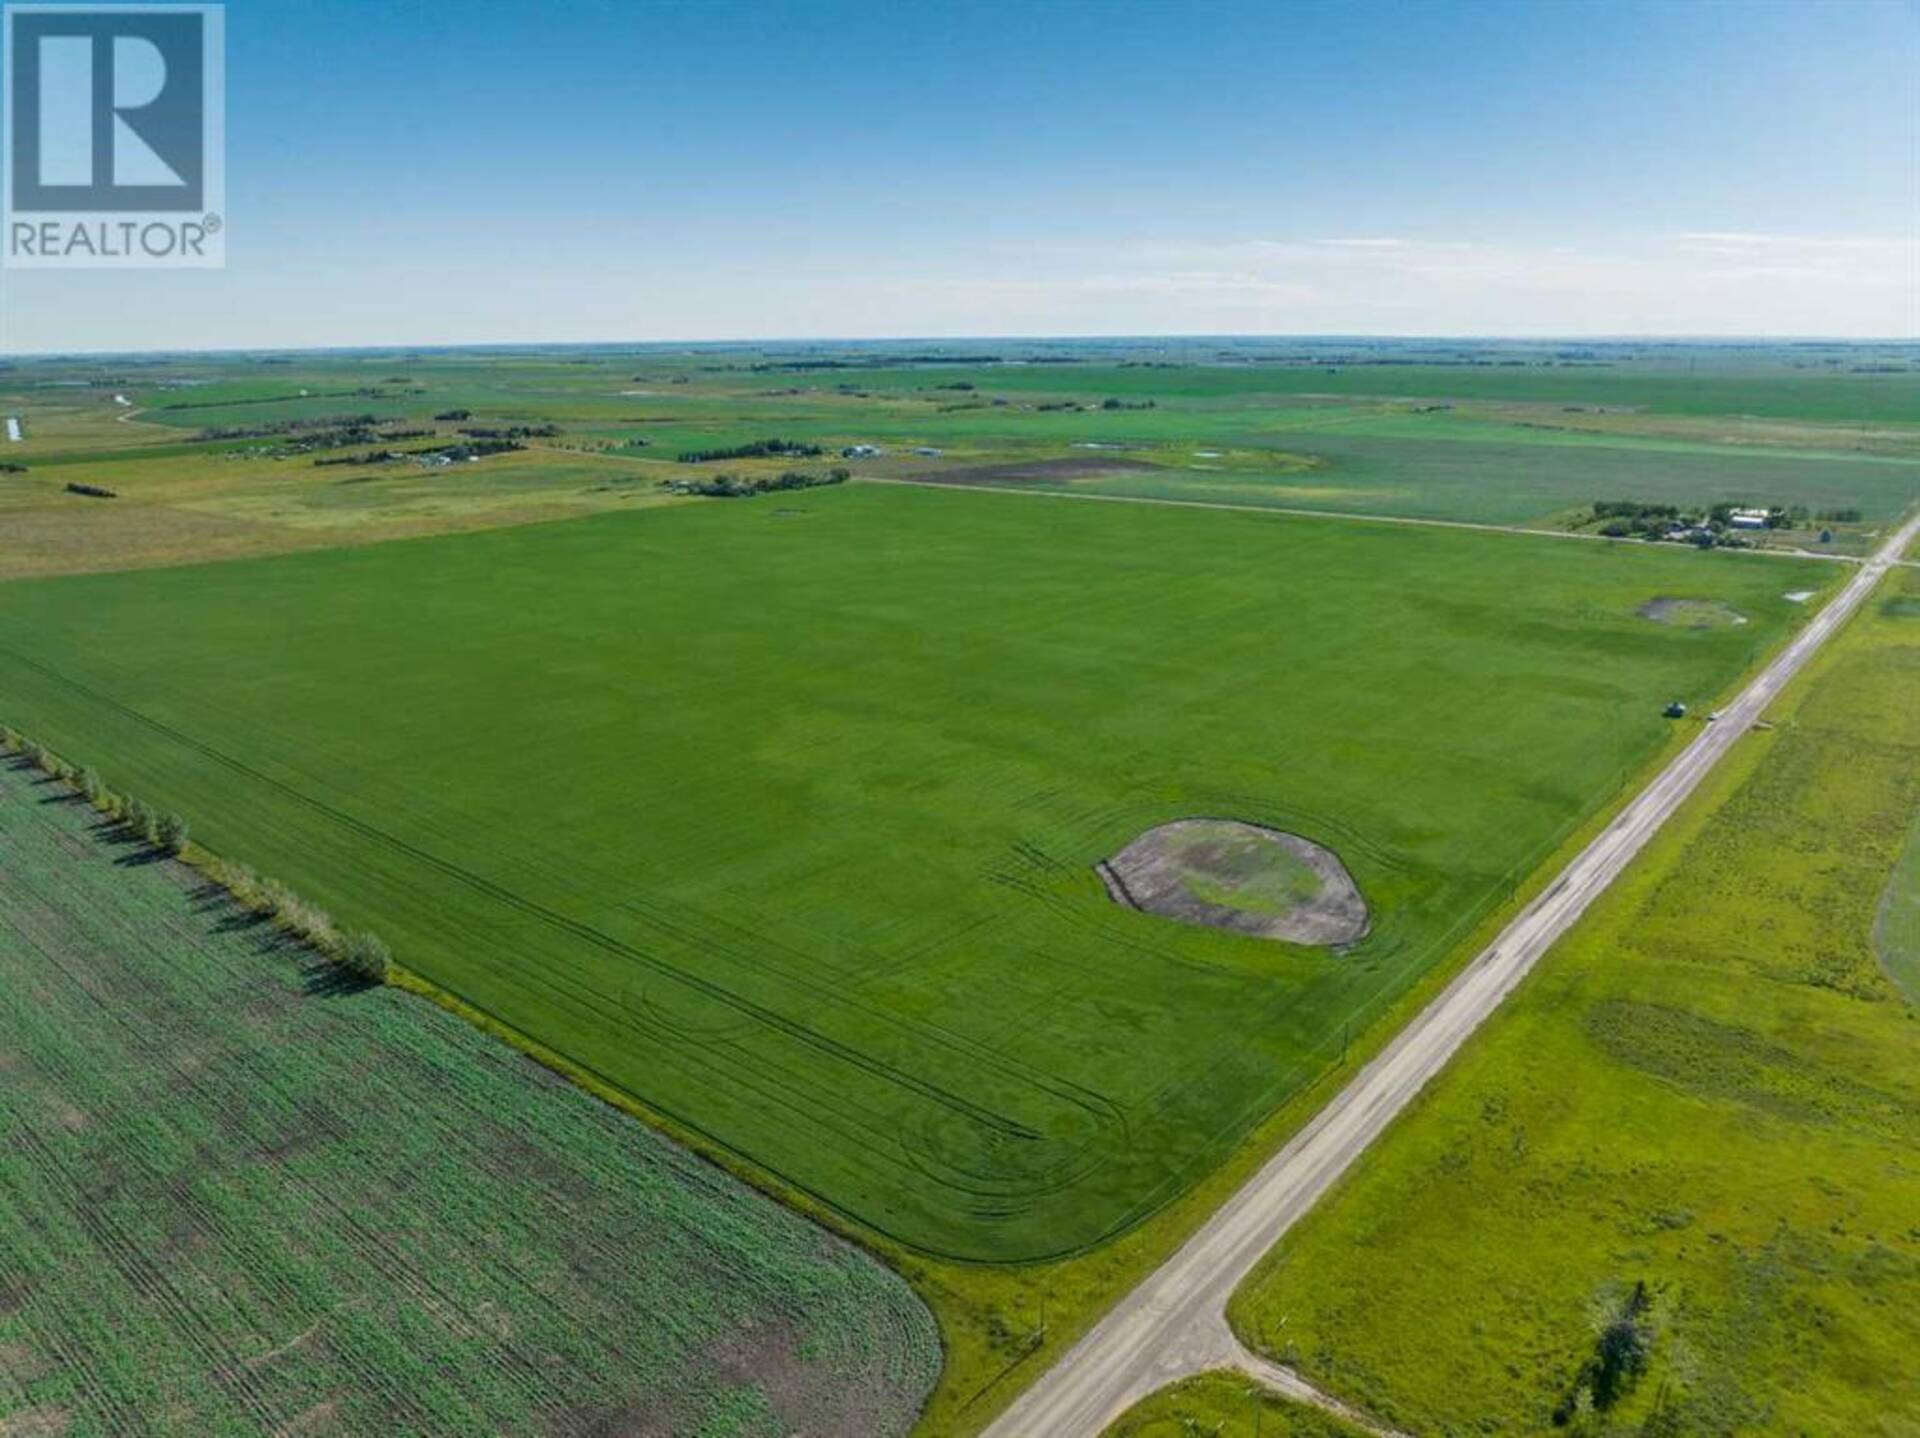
(733, 486)
(1643, 519)
(754, 449)
(516, 431)
(362, 954)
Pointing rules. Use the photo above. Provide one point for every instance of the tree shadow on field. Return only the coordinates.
(322, 978)
(236, 920)
(136, 851)
(228, 914)
(57, 791)
(116, 833)
(207, 896)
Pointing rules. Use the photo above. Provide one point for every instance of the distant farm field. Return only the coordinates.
(781, 814)
(1733, 390)
(1441, 468)
(244, 456)
(240, 1198)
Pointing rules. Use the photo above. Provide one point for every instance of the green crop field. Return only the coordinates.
(781, 814)
(1709, 1093)
(237, 1197)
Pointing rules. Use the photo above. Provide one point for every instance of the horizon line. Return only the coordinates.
(765, 341)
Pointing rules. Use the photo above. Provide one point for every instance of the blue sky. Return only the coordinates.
(610, 170)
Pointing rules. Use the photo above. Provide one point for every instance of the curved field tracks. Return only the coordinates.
(788, 829)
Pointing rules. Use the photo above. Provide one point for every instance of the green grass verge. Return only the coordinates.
(1225, 1405)
(1709, 1088)
(1896, 932)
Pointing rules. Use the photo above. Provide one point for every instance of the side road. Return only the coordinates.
(1174, 1323)
(1346, 514)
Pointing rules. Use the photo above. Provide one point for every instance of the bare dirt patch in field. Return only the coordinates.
(1232, 875)
(1691, 613)
(46, 1421)
(20, 1364)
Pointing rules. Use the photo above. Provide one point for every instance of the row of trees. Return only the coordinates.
(163, 831)
(873, 362)
(1633, 509)
(372, 456)
(733, 486)
(755, 449)
(304, 436)
(464, 450)
(473, 449)
(516, 431)
(361, 954)
(367, 391)
(269, 429)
